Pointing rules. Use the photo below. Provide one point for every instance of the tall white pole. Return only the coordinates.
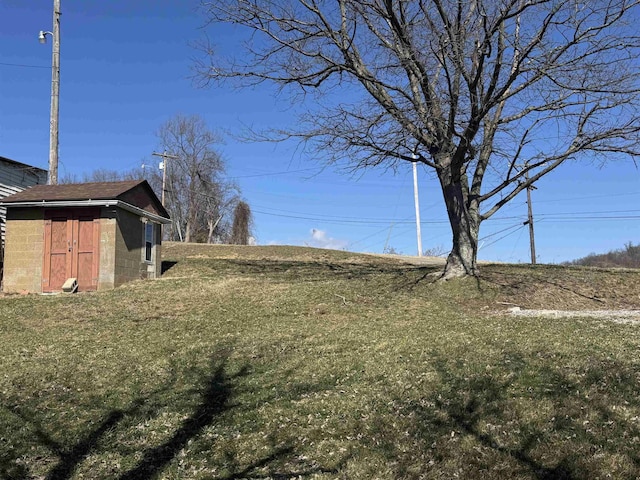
(55, 95)
(417, 203)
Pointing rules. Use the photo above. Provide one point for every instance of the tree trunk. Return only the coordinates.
(212, 227)
(187, 233)
(465, 224)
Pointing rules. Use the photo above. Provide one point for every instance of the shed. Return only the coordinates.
(102, 234)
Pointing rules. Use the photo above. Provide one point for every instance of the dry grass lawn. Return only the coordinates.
(289, 362)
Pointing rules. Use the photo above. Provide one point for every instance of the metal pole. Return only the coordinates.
(417, 203)
(55, 95)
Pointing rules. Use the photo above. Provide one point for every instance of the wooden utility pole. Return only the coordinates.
(165, 166)
(532, 242)
(55, 93)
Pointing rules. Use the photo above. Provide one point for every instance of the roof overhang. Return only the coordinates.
(21, 165)
(90, 203)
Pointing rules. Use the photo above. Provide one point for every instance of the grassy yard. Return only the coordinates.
(285, 363)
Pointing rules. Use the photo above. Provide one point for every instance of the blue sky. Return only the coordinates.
(125, 70)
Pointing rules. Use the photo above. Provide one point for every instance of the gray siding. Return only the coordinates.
(15, 177)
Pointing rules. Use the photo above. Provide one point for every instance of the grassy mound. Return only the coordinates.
(285, 362)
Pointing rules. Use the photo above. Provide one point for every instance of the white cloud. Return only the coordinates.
(320, 239)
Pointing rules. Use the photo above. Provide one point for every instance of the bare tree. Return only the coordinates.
(198, 196)
(484, 92)
(241, 230)
(105, 175)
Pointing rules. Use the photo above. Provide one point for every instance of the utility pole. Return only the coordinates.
(532, 242)
(55, 92)
(164, 167)
(417, 203)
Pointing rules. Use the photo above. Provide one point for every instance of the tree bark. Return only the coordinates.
(187, 232)
(465, 225)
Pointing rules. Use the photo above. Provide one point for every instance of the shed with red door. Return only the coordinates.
(100, 234)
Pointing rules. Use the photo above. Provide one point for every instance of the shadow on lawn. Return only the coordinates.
(475, 425)
(216, 396)
(481, 398)
(167, 265)
(524, 283)
(69, 457)
(298, 269)
(214, 401)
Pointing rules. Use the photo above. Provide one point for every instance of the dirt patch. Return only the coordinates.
(618, 316)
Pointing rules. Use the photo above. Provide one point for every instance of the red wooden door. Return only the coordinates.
(86, 250)
(57, 251)
(71, 248)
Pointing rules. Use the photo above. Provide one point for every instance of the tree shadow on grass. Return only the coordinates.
(69, 457)
(419, 275)
(248, 472)
(397, 277)
(471, 401)
(215, 399)
(520, 417)
(307, 271)
(523, 283)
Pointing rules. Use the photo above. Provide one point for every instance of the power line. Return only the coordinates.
(590, 213)
(590, 219)
(273, 173)
(319, 216)
(344, 221)
(22, 65)
(548, 217)
(401, 232)
(515, 245)
(499, 232)
(336, 219)
(503, 237)
(589, 197)
(378, 232)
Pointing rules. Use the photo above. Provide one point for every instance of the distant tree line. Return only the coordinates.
(627, 257)
(205, 206)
